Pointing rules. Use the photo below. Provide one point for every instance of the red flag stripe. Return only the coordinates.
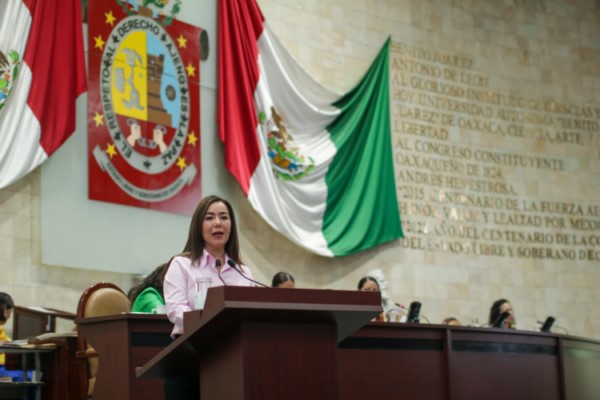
(238, 77)
(54, 55)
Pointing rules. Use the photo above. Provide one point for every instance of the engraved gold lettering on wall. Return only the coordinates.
(457, 198)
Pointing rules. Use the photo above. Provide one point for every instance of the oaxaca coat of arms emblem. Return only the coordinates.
(144, 106)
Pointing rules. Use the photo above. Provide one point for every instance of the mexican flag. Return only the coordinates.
(42, 72)
(315, 165)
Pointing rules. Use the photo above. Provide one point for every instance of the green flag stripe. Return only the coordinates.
(362, 208)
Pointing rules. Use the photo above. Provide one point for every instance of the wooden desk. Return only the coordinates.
(124, 342)
(36, 382)
(581, 367)
(62, 370)
(33, 321)
(13, 390)
(389, 360)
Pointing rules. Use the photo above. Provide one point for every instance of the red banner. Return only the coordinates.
(144, 106)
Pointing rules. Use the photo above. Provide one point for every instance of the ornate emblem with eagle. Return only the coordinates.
(287, 162)
(9, 70)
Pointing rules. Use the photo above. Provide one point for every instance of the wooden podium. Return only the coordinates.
(263, 343)
(124, 341)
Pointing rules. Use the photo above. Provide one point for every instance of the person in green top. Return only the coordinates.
(148, 296)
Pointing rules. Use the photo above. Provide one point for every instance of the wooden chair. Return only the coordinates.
(98, 300)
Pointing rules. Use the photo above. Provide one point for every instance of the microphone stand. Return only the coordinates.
(499, 323)
(566, 332)
(218, 267)
(232, 265)
(402, 307)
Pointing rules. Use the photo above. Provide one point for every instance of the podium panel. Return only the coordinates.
(517, 364)
(263, 343)
(272, 362)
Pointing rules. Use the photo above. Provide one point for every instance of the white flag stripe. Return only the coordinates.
(20, 150)
(308, 94)
(15, 23)
(294, 209)
(304, 230)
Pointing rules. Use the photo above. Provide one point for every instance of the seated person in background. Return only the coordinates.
(369, 284)
(6, 308)
(148, 296)
(283, 280)
(451, 321)
(500, 306)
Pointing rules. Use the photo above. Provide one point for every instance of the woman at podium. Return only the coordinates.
(211, 257)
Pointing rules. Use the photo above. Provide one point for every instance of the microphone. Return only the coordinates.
(547, 324)
(566, 332)
(413, 312)
(407, 309)
(218, 267)
(501, 320)
(232, 265)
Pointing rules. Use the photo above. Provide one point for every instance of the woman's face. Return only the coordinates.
(216, 226)
(287, 285)
(7, 315)
(369, 286)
